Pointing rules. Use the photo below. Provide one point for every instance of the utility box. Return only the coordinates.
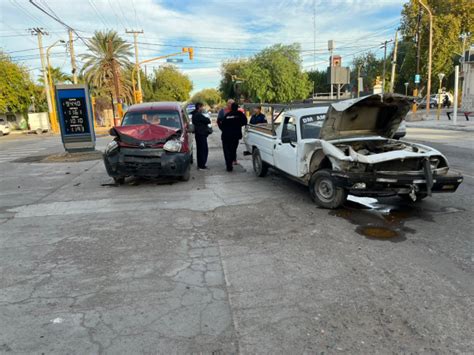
(338, 75)
(75, 117)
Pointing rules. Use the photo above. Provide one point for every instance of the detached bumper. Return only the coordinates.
(146, 163)
(376, 184)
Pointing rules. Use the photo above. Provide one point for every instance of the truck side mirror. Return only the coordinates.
(286, 139)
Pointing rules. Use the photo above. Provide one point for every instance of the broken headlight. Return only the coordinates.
(172, 146)
(112, 146)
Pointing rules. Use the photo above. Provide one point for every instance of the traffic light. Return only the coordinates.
(191, 53)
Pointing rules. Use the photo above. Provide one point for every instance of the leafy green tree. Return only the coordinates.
(210, 97)
(17, 90)
(275, 75)
(232, 72)
(450, 19)
(370, 67)
(319, 80)
(107, 58)
(168, 84)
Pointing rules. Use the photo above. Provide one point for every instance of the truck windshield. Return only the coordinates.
(162, 118)
(311, 125)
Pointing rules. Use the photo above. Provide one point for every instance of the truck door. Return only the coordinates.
(285, 151)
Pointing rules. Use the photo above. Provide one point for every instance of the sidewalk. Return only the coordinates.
(421, 120)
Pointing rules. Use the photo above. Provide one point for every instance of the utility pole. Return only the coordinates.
(418, 48)
(394, 63)
(430, 48)
(137, 67)
(331, 49)
(73, 58)
(39, 32)
(384, 45)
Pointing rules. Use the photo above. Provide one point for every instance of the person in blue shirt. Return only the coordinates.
(258, 117)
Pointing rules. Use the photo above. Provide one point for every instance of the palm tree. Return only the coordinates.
(106, 61)
(58, 76)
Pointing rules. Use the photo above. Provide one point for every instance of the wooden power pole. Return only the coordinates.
(73, 58)
(394, 63)
(39, 32)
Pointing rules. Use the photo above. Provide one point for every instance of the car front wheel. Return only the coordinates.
(324, 190)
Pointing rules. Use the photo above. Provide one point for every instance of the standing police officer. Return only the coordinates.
(231, 127)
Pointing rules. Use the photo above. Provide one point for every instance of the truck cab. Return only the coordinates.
(349, 147)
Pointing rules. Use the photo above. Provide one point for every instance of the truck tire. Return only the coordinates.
(259, 166)
(324, 191)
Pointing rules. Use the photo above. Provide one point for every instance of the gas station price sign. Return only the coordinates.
(75, 117)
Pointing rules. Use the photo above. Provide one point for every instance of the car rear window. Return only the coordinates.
(168, 118)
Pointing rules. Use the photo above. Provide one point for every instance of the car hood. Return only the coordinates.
(366, 116)
(145, 133)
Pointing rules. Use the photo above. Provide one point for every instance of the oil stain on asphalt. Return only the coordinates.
(385, 221)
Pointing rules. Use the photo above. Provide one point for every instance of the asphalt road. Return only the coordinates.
(227, 262)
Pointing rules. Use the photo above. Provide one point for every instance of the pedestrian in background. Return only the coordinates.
(231, 127)
(225, 110)
(201, 131)
(258, 117)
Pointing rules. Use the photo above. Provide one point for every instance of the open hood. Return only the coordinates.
(145, 133)
(366, 116)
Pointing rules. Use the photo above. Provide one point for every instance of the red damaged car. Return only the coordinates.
(152, 141)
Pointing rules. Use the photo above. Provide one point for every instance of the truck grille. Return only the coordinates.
(399, 165)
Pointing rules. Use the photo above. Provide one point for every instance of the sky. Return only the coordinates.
(218, 30)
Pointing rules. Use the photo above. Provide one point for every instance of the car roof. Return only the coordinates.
(151, 106)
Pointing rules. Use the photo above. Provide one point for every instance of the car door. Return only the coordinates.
(285, 151)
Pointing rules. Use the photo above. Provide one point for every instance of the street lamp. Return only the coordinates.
(430, 49)
(406, 89)
(440, 76)
(54, 120)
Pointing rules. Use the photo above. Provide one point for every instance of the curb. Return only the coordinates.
(448, 128)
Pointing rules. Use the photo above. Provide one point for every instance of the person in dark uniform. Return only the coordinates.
(201, 131)
(258, 117)
(231, 127)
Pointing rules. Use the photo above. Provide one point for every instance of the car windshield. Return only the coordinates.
(311, 125)
(168, 118)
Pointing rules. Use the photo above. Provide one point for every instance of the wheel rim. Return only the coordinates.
(257, 163)
(325, 189)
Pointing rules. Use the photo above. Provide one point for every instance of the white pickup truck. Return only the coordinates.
(348, 148)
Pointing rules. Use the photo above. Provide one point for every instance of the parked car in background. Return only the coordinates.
(4, 127)
(153, 140)
(349, 148)
(421, 103)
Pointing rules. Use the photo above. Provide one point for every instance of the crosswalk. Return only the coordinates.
(11, 152)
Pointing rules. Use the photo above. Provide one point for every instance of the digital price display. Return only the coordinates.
(75, 117)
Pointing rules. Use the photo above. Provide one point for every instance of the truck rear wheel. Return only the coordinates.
(259, 166)
(324, 191)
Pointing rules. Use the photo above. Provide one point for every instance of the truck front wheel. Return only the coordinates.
(324, 191)
(259, 166)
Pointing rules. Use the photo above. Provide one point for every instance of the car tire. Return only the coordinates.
(324, 191)
(120, 180)
(187, 174)
(259, 166)
(419, 196)
(39, 131)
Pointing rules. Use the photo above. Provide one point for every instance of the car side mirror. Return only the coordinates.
(190, 128)
(113, 132)
(286, 139)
